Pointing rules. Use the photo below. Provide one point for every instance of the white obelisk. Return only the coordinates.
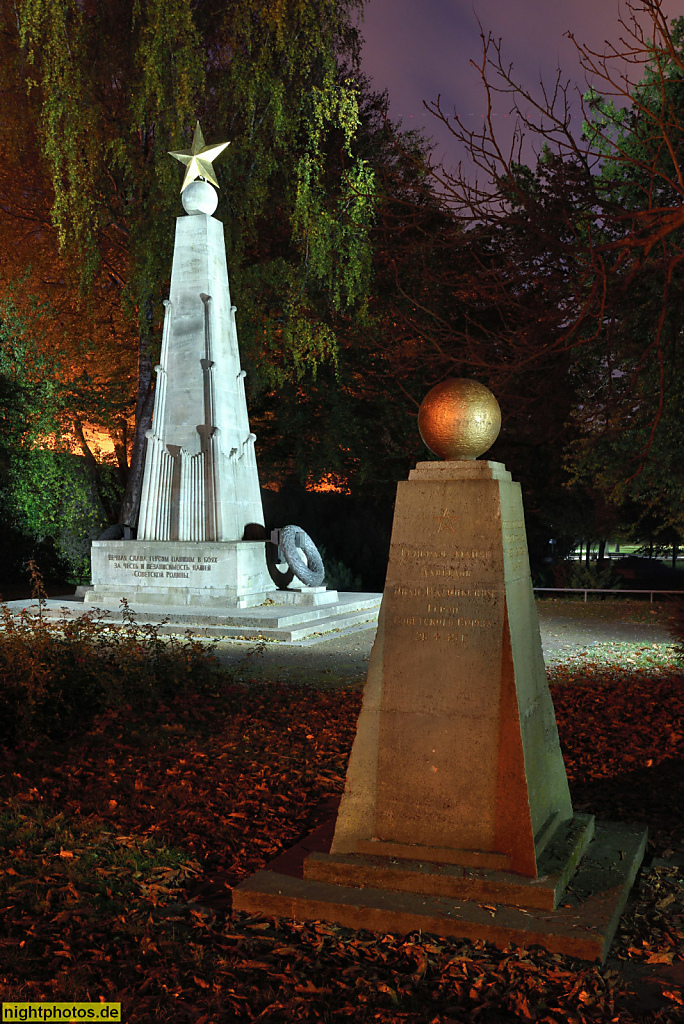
(201, 480)
(200, 492)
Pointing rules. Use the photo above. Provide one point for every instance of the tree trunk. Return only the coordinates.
(120, 442)
(602, 552)
(588, 552)
(130, 507)
(91, 461)
(675, 547)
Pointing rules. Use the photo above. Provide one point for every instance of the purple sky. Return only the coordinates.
(419, 49)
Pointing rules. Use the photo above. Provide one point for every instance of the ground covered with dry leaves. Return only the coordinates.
(120, 847)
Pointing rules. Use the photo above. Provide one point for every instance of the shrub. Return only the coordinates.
(337, 575)
(57, 675)
(594, 576)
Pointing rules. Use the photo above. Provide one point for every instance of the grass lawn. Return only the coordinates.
(121, 841)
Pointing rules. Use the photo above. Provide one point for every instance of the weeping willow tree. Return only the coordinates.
(113, 87)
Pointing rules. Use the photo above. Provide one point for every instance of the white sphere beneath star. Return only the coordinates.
(199, 197)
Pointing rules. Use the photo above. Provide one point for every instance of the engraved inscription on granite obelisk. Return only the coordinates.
(200, 486)
(456, 793)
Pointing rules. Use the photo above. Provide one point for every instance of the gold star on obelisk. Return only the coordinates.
(199, 159)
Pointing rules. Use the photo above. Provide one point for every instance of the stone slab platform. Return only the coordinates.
(583, 925)
(285, 622)
(556, 865)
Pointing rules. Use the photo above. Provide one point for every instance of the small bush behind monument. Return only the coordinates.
(337, 575)
(594, 576)
(579, 575)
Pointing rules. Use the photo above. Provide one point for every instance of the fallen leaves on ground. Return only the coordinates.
(622, 735)
(120, 851)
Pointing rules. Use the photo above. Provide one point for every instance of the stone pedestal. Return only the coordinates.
(456, 788)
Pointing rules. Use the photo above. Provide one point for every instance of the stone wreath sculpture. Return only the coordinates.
(292, 542)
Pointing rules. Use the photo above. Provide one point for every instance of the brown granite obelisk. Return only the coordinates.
(456, 792)
(456, 758)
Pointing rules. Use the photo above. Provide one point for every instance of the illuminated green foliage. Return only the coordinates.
(47, 495)
(119, 85)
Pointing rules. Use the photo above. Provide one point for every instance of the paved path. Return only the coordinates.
(342, 661)
(562, 635)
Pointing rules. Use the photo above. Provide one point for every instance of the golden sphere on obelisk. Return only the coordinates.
(459, 419)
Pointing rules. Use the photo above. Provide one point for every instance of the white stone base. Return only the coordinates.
(286, 616)
(179, 573)
(183, 574)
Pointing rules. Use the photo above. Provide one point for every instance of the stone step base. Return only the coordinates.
(583, 924)
(319, 629)
(270, 622)
(202, 600)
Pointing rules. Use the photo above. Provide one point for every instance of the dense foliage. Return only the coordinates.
(630, 403)
(112, 88)
(51, 500)
(559, 283)
(362, 275)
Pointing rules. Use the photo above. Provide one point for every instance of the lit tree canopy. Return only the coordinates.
(113, 87)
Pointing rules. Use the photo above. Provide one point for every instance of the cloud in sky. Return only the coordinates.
(421, 49)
